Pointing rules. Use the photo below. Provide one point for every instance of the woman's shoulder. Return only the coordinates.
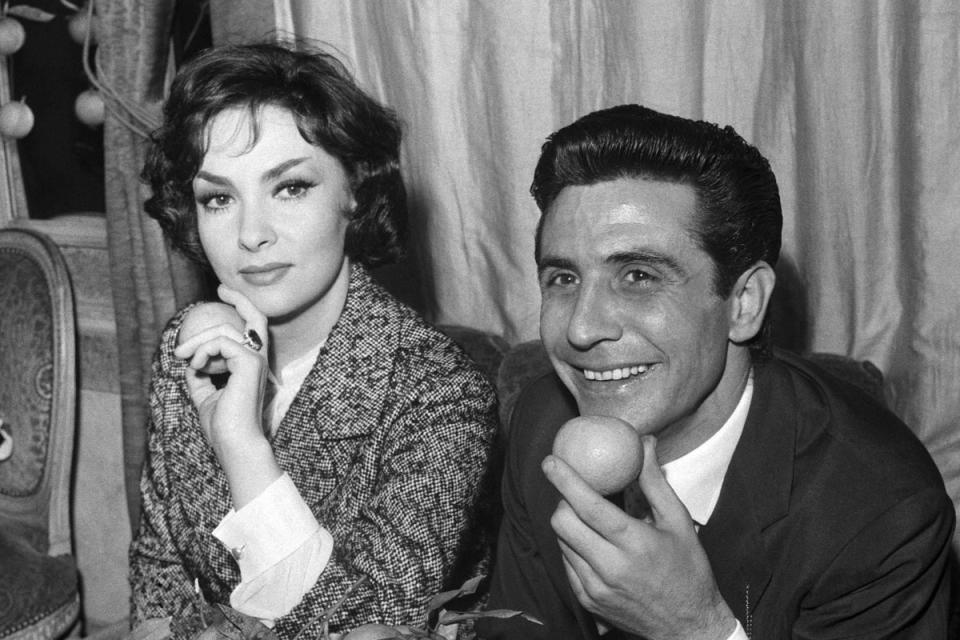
(421, 350)
(429, 347)
(164, 362)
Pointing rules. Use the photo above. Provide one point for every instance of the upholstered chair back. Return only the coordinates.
(38, 577)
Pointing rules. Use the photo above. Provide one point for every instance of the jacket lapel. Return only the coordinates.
(755, 494)
(344, 391)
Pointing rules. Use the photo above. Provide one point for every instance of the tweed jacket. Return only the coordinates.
(832, 520)
(387, 441)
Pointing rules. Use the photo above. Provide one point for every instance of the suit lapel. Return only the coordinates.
(755, 494)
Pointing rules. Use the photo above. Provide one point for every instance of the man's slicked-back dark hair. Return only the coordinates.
(330, 110)
(739, 219)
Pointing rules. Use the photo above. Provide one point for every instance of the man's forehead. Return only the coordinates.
(628, 205)
(626, 198)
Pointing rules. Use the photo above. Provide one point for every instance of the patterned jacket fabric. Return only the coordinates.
(388, 441)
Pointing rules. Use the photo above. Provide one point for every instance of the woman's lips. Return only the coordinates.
(264, 275)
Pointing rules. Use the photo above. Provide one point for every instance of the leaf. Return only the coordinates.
(30, 13)
(227, 623)
(70, 5)
(450, 617)
(152, 629)
(326, 615)
(242, 626)
(467, 588)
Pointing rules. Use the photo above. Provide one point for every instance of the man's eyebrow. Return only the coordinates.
(553, 262)
(653, 258)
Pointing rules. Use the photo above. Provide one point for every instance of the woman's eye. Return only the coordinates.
(214, 201)
(294, 189)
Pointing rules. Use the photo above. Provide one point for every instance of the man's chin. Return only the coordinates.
(593, 407)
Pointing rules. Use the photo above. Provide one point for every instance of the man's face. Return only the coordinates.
(629, 316)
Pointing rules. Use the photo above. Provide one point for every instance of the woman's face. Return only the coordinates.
(272, 215)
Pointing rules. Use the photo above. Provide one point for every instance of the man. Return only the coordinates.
(783, 502)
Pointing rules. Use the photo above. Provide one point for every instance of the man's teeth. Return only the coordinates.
(615, 374)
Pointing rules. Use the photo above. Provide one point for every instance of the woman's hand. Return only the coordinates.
(231, 417)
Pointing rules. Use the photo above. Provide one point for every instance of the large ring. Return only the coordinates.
(252, 339)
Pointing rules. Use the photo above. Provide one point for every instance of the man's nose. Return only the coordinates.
(593, 319)
(256, 229)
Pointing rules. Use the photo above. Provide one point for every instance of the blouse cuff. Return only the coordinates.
(269, 528)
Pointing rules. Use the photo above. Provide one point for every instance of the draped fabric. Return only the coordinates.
(148, 281)
(856, 104)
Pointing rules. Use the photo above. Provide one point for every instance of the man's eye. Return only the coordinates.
(638, 276)
(561, 280)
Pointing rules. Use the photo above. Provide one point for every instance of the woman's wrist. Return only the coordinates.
(250, 468)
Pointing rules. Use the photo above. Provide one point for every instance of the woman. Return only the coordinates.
(344, 454)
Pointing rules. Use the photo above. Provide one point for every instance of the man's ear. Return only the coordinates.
(749, 300)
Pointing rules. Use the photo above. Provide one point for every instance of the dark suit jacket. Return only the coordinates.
(832, 521)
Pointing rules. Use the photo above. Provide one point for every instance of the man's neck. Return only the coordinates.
(686, 435)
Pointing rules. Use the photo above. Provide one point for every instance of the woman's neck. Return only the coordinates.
(295, 335)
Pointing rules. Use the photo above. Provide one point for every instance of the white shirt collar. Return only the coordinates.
(697, 477)
(283, 388)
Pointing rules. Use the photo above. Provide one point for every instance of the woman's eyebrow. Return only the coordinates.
(211, 177)
(277, 171)
(271, 174)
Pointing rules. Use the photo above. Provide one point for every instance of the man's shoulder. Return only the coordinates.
(839, 420)
(541, 408)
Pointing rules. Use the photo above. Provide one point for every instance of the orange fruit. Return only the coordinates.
(12, 35)
(205, 316)
(16, 120)
(607, 452)
(90, 108)
(80, 24)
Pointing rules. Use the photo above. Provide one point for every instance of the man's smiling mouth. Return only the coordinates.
(619, 373)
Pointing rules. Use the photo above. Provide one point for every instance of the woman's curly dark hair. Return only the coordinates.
(331, 112)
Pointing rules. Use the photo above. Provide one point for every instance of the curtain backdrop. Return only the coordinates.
(149, 283)
(856, 104)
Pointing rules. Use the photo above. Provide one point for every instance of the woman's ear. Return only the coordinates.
(749, 301)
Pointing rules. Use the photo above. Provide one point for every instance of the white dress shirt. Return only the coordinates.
(698, 476)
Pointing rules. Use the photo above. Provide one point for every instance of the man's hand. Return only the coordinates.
(650, 577)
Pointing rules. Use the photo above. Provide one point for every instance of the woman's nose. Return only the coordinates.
(593, 318)
(256, 230)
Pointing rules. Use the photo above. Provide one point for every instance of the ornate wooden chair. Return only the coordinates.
(39, 590)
